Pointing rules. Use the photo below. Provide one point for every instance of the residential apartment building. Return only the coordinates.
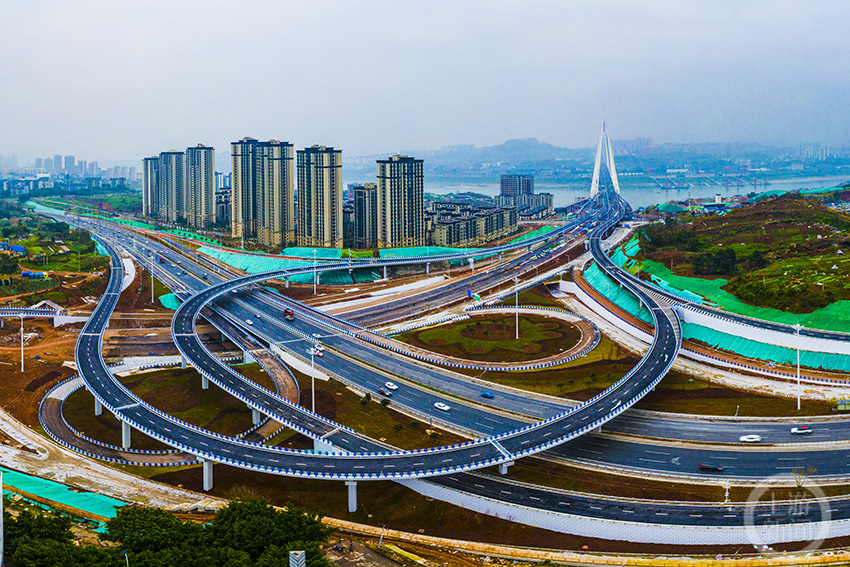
(472, 226)
(514, 185)
(365, 216)
(171, 179)
(319, 197)
(263, 192)
(150, 187)
(177, 187)
(199, 206)
(401, 214)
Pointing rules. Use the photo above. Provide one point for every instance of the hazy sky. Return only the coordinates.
(119, 80)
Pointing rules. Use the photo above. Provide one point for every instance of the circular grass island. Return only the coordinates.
(492, 338)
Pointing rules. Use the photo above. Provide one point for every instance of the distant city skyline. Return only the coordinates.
(478, 72)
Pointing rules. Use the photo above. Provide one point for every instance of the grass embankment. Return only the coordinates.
(175, 391)
(778, 253)
(534, 296)
(490, 338)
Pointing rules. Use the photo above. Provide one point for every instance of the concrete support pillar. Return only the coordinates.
(500, 257)
(208, 482)
(472, 264)
(503, 467)
(255, 416)
(205, 383)
(385, 272)
(3, 322)
(182, 362)
(528, 248)
(352, 495)
(98, 407)
(125, 434)
(599, 429)
(427, 267)
(286, 280)
(247, 357)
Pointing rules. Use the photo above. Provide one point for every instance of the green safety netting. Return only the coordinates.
(191, 235)
(533, 233)
(833, 317)
(670, 208)
(628, 302)
(301, 252)
(170, 301)
(763, 351)
(366, 275)
(776, 192)
(86, 501)
(254, 264)
(819, 191)
(39, 208)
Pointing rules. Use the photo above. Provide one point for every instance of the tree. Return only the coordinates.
(254, 526)
(149, 529)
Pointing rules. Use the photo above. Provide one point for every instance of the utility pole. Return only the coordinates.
(314, 271)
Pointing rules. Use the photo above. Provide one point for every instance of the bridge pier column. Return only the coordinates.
(427, 268)
(208, 480)
(125, 434)
(286, 281)
(472, 264)
(503, 467)
(385, 272)
(247, 357)
(500, 257)
(182, 362)
(98, 407)
(255, 416)
(3, 323)
(205, 382)
(352, 495)
(528, 248)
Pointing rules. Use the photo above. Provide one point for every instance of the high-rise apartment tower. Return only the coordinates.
(319, 197)
(401, 213)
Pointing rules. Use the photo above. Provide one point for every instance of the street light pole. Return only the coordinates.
(313, 376)
(22, 343)
(314, 271)
(797, 328)
(516, 299)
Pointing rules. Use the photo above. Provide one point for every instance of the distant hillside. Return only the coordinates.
(527, 155)
(521, 151)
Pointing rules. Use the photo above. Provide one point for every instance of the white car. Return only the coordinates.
(391, 386)
(317, 336)
(802, 430)
(318, 347)
(441, 406)
(249, 322)
(750, 439)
